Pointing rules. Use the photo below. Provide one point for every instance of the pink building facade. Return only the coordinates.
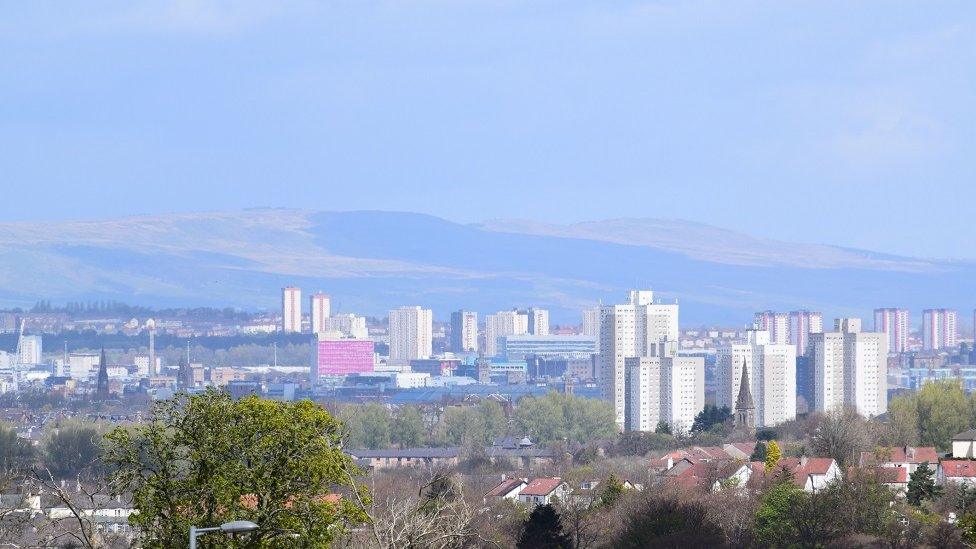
(341, 357)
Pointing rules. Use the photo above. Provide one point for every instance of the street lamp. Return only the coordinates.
(233, 527)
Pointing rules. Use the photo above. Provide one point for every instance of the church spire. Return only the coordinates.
(101, 390)
(745, 408)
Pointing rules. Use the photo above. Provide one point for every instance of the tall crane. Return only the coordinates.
(20, 341)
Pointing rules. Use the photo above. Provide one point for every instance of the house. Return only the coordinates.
(964, 445)
(695, 454)
(521, 452)
(962, 471)
(509, 488)
(542, 491)
(895, 478)
(407, 457)
(740, 450)
(811, 474)
(905, 457)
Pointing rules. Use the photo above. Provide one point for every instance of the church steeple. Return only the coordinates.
(101, 390)
(745, 408)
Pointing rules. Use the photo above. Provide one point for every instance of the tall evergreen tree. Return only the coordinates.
(773, 455)
(758, 452)
(544, 528)
(921, 486)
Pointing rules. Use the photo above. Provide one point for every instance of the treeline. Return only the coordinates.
(111, 307)
(547, 419)
(67, 450)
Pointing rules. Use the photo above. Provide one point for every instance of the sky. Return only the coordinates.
(848, 123)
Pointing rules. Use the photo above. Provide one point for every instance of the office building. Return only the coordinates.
(777, 324)
(518, 347)
(850, 369)
(339, 357)
(771, 369)
(411, 334)
(82, 365)
(802, 324)
(464, 332)
(639, 328)
(938, 329)
(320, 307)
(538, 321)
(503, 323)
(349, 325)
(894, 324)
(291, 309)
(668, 389)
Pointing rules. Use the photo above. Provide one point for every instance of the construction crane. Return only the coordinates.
(20, 341)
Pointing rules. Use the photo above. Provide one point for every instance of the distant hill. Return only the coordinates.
(371, 261)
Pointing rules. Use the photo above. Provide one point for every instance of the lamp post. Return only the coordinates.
(233, 527)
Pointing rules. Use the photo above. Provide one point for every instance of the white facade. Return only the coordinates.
(640, 328)
(82, 365)
(850, 369)
(802, 324)
(772, 372)
(938, 329)
(668, 389)
(501, 324)
(320, 306)
(411, 333)
(31, 347)
(349, 325)
(538, 321)
(894, 324)
(411, 380)
(291, 309)
(464, 331)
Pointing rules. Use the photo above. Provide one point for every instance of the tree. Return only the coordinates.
(15, 453)
(775, 525)
(558, 417)
(766, 434)
(921, 486)
(408, 428)
(544, 528)
(658, 521)
(839, 435)
(207, 459)
(612, 491)
(773, 455)
(71, 448)
(758, 452)
(663, 428)
(710, 416)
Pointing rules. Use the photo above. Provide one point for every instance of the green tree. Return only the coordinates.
(544, 528)
(207, 459)
(658, 521)
(775, 524)
(612, 491)
(922, 486)
(366, 426)
(758, 452)
(943, 411)
(663, 428)
(773, 455)
(408, 428)
(71, 449)
(710, 416)
(15, 452)
(557, 417)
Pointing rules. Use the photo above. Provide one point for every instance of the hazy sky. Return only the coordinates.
(851, 123)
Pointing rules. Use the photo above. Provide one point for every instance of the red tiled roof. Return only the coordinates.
(956, 468)
(505, 487)
(904, 454)
(892, 475)
(541, 486)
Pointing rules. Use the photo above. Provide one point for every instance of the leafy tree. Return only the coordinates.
(637, 443)
(556, 417)
(666, 522)
(921, 486)
(968, 526)
(367, 426)
(775, 525)
(408, 428)
(943, 411)
(207, 459)
(472, 426)
(758, 452)
(710, 416)
(612, 492)
(544, 528)
(766, 434)
(773, 455)
(663, 428)
(15, 452)
(71, 448)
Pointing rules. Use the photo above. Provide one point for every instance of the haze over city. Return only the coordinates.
(487, 274)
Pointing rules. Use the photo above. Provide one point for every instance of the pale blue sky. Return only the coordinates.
(850, 123)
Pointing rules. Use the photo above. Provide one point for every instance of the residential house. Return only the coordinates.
(962, 471)
(542, 491)
(508, 488)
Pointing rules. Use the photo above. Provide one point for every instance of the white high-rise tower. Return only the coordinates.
(320, 308)
(291, 309)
